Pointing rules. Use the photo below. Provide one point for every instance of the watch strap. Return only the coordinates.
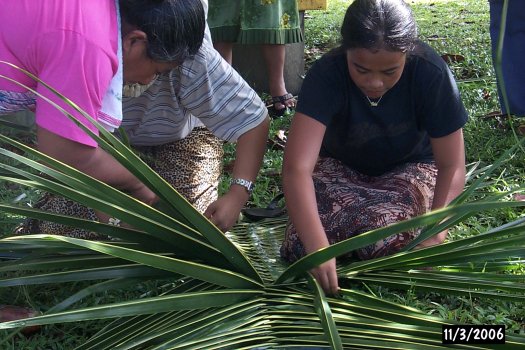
(247, 184)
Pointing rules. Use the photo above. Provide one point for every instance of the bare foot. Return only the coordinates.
(13, 313)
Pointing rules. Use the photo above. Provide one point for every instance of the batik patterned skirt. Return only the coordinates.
(350, 203)
(254, 21)
(192, 166)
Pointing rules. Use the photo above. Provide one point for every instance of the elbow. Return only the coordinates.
(455, 169)
(294, 172)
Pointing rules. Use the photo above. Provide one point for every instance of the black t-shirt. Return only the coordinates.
(424, 103)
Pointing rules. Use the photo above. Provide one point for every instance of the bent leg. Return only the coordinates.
(405, 192)
(350, 203)
(192, 166)
(225, 49)
(274, 58)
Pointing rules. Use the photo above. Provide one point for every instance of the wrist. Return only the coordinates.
(239, 193)
(247, 185)
(313, 242)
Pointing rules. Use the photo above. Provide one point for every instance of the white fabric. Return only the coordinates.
(110, 114)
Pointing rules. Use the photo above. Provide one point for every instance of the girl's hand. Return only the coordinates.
(326, 276)
(326, 273)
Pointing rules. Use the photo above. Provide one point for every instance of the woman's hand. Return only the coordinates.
(143, 194)
(326, 273)
(224, 212)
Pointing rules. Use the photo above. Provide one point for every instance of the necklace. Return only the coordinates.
(136, 89)
(374, 103)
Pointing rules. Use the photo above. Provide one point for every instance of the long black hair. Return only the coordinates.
(379, 24)
(174, 28)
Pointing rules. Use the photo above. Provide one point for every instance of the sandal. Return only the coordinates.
(282, 100)
(273, 210)
(502, 120)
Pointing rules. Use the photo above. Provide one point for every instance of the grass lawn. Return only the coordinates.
(458, 30)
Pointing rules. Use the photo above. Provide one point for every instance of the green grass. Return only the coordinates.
(452, 27)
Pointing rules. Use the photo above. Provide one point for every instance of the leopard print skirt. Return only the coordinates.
(192, 166)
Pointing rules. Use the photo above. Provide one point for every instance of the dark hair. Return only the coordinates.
(379, 24)
(175, 28)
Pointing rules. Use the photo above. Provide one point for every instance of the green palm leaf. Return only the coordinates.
(206, 273)
(362, 240)
(192, 301)
(325, 314)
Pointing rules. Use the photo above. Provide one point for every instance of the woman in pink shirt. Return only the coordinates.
(86, 50)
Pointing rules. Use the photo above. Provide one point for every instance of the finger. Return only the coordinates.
(333, 282)
(220, 225)
(226, 226)
(324, 281)
(208, 212)
(155, 200)
(151, 200)
(218, 222)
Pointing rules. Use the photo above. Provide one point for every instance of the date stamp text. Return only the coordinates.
(473, 334)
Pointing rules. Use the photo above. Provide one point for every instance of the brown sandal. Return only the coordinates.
(282, 100)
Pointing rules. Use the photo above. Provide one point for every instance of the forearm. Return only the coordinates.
(302, 209)
(105, 168)
(91, 161)
(300, 157)
(249, 154)
(450, 182)
(449, 153)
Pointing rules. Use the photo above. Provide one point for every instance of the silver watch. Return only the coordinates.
(244, 183)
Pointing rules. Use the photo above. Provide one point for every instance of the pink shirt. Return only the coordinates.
(69, 44)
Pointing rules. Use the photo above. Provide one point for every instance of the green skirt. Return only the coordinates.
(255, 21)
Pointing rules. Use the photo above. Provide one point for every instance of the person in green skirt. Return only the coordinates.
(270, 23)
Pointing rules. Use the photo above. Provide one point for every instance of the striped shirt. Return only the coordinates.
(204, 90)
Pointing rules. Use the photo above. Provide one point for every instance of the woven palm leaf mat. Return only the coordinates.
(260, 241)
